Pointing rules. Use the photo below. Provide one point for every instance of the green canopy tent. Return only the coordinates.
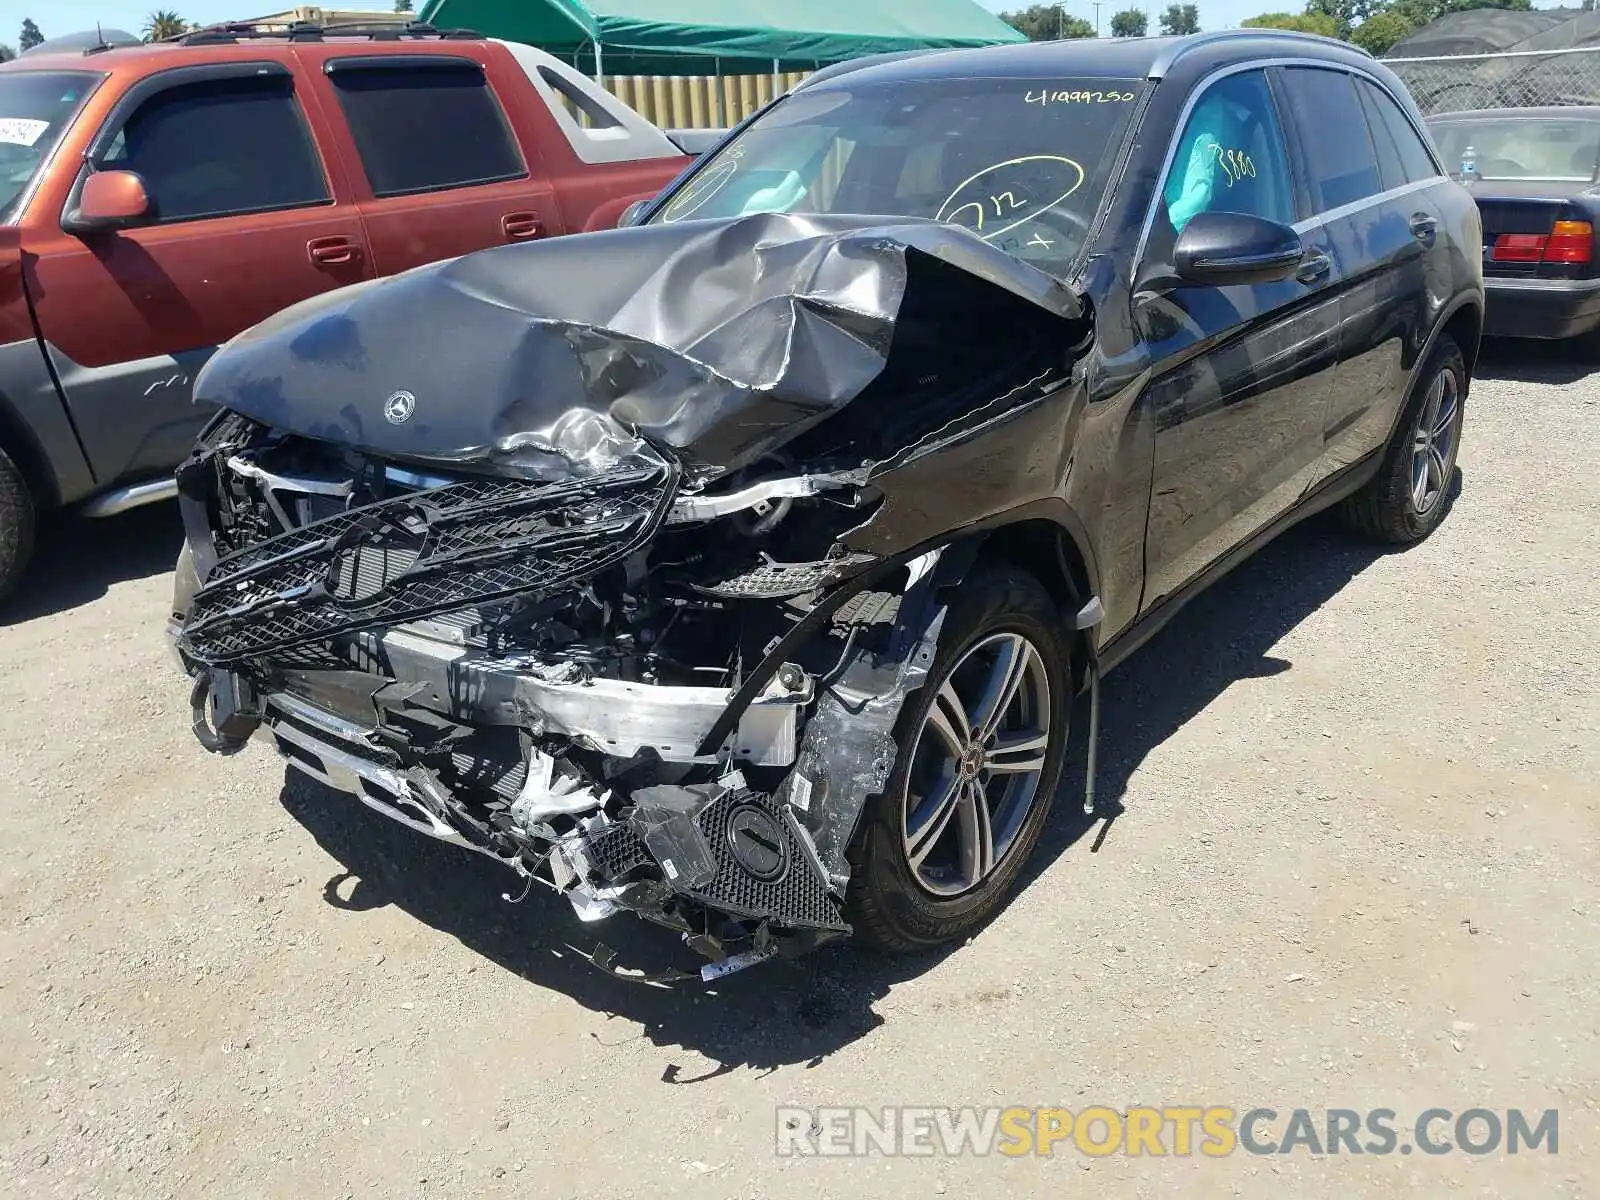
(716, 37)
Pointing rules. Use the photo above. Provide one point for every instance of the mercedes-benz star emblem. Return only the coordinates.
(397, 409)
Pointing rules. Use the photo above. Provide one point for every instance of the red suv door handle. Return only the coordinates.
(519, 226)
(331, 251)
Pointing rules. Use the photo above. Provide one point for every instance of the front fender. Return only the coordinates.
(35, 428)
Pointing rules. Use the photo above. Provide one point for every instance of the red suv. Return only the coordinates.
(156, 200)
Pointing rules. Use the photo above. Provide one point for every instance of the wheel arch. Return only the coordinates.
(1053, 546)
(1461, 320)
(1464, 323)
(1048, 552)
(23, 448)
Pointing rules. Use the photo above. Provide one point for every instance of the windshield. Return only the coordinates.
(1023, 163)
(35, 109)
(1522, 147)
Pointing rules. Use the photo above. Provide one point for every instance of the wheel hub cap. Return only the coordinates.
(976, 765)
(1433, 447)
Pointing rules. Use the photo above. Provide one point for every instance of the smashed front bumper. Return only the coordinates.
(674, 841)
(743, 874)
(358, 644)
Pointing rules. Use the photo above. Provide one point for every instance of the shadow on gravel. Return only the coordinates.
(1524, 361)
(1224, 635)
(777, 1014)
(77, 560)
(798, 1012)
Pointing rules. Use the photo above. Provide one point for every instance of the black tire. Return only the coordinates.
(887, 903)
(1387, 509)
(16, 526)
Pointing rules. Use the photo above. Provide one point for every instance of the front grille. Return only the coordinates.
(422, 553)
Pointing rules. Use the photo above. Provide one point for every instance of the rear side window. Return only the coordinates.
(425, 128)
(1388, 121)
(1390, 168)
(1340, 160)
(593, 114)
(220, 148)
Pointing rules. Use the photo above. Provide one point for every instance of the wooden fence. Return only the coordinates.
(698, 101)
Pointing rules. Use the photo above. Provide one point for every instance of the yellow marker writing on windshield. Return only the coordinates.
(1019, 188)
(1077, 97)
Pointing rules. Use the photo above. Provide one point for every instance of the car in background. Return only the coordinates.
(157, 200)
(736, 567)
(1532, 173)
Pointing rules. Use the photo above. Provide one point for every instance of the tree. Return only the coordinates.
(1306, 22)
(1130, 22)
(1046, 22)
(162, 24)
(6, 53)
(402, 6)
(30, 35)
(1380, 31)
(1374, 25)
(1180, 18)
(1345, 13)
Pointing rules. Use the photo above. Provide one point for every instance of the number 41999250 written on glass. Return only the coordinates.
(1046, 96)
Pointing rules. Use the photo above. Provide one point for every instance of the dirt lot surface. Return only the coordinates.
(1357, 867)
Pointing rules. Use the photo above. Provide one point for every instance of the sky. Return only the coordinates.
(68, 16)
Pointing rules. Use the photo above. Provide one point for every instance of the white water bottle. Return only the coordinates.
(1469, 163)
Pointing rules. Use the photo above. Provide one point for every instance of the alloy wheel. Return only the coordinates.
(976, 764)
(1433, 447)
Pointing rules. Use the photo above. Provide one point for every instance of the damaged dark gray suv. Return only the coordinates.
(738, 567)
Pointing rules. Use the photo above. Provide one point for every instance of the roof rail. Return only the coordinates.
(833, 70)
(311, 31)
(1182, 46)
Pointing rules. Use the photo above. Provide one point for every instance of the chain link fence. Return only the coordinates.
(1519, 79)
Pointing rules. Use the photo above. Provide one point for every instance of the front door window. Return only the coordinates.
(1230, 156)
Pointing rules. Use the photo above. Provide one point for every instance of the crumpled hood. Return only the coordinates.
(720, 340)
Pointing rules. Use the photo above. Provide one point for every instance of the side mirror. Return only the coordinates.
(109, 200)
(1223, 248)
(632, 213)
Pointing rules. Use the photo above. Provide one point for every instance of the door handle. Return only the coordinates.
(1423, 228)
(1316, 265)
(332, 251)
(519, 226)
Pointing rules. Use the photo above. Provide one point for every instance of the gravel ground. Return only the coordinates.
(1356, 866)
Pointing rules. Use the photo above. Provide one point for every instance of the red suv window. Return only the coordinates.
(426, 127)
(221, 147)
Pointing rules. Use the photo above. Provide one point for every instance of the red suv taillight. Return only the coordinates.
(1567, 242)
